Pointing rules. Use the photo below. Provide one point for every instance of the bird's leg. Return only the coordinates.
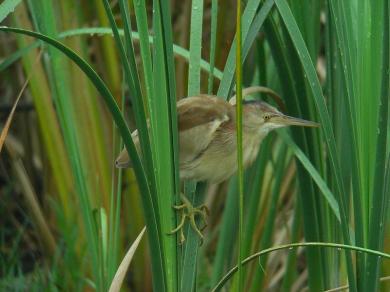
(188, 211)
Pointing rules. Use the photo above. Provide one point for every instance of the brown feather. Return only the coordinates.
(198, 110)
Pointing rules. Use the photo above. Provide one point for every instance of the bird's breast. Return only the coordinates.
(218, 161)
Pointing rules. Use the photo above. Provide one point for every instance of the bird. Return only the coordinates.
(208, 143)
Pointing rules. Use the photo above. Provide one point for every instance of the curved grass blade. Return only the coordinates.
(294, 245)
(126, 136)
(120, 274)
(313, 173)
(178, 51)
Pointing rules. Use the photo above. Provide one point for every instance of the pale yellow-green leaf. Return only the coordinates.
(122, 269)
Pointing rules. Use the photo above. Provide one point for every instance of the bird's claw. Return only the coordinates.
(188, 211)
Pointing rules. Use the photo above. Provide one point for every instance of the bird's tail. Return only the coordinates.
(123, 160)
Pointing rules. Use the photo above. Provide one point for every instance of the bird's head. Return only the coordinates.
(264, 117)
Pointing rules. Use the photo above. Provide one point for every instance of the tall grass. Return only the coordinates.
(329, 61)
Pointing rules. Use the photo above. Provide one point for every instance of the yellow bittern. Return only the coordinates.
(207, 141)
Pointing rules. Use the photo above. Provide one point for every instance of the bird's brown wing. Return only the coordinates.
(199, 110)
(199, 117)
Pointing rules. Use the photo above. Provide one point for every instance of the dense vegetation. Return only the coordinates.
(89, 72)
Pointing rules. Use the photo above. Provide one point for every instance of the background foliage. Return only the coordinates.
(68, 216)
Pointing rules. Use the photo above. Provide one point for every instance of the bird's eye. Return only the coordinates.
(266, 118)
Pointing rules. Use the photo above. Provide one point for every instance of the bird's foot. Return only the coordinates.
(188, 211)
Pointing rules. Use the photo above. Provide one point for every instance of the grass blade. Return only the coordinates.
(314, 174)
(120, 274)
(178, 51)
(4, 131)
(7, 7)
(125, 133)
(213, 40)
(150, 157)
(145, 41)
(249, 14)
(240, 165)
(191, 247)
(131, 76)
(289, 73)
(32, 201)
(43, 15)
(294, 245)
(325, 122)
(228, 229)
(266, 239)
(380, 195)
(346, 42)
(195, 47)
(164, 129)
(54, 143)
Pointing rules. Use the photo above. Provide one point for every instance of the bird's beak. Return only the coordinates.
(284, 120)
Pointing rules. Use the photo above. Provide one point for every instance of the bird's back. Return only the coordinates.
(199, 118)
